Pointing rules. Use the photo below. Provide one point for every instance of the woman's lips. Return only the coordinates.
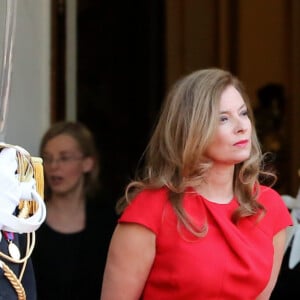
(55, 180)
(241, 143)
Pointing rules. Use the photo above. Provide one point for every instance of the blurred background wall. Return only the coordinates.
(29, 101)
(109, 63)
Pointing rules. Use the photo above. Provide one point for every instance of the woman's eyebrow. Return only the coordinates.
(227, 111)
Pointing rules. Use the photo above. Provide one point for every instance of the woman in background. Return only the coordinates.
(72, 244)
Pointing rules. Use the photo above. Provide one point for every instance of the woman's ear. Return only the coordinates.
(88, 164)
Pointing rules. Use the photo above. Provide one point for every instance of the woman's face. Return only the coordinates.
(64, 164)
(231, 143)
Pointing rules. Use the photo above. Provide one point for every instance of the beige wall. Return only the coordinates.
(262, 48)
(293, 128)
(190, 38)
(29, 103)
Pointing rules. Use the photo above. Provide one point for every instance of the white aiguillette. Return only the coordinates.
(13, 249)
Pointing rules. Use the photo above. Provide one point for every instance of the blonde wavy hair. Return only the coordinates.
(174, 157)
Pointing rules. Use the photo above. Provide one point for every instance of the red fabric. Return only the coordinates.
(232, 262)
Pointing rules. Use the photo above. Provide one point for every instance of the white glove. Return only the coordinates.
(10, 191)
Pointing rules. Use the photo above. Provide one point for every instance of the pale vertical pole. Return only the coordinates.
(8, 14)
(71, 60)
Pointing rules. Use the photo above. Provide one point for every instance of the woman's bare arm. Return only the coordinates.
(279, 245)
(130, 258)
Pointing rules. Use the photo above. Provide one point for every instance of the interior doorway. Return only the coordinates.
(120, 80)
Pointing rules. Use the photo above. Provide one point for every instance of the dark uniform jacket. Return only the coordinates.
(7, 292)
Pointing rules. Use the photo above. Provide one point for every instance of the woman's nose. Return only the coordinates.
(241, 125)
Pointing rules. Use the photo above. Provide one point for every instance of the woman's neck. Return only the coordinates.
(66, 213)
(217, 185)
(70, 201)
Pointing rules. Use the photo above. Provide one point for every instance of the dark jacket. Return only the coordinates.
(71, 266)
(7, 292)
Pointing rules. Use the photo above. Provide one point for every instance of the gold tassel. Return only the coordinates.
(38, 175)
(30, 167)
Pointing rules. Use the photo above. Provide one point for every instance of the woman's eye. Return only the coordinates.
(245, 113)
(65, 158)
(47, 159)
(223, 119)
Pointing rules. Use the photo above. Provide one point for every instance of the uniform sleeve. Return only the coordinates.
(7, 291)
(146, 209)
(277, 214)
(29, 281)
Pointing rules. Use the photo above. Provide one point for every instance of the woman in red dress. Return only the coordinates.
(198, 223)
